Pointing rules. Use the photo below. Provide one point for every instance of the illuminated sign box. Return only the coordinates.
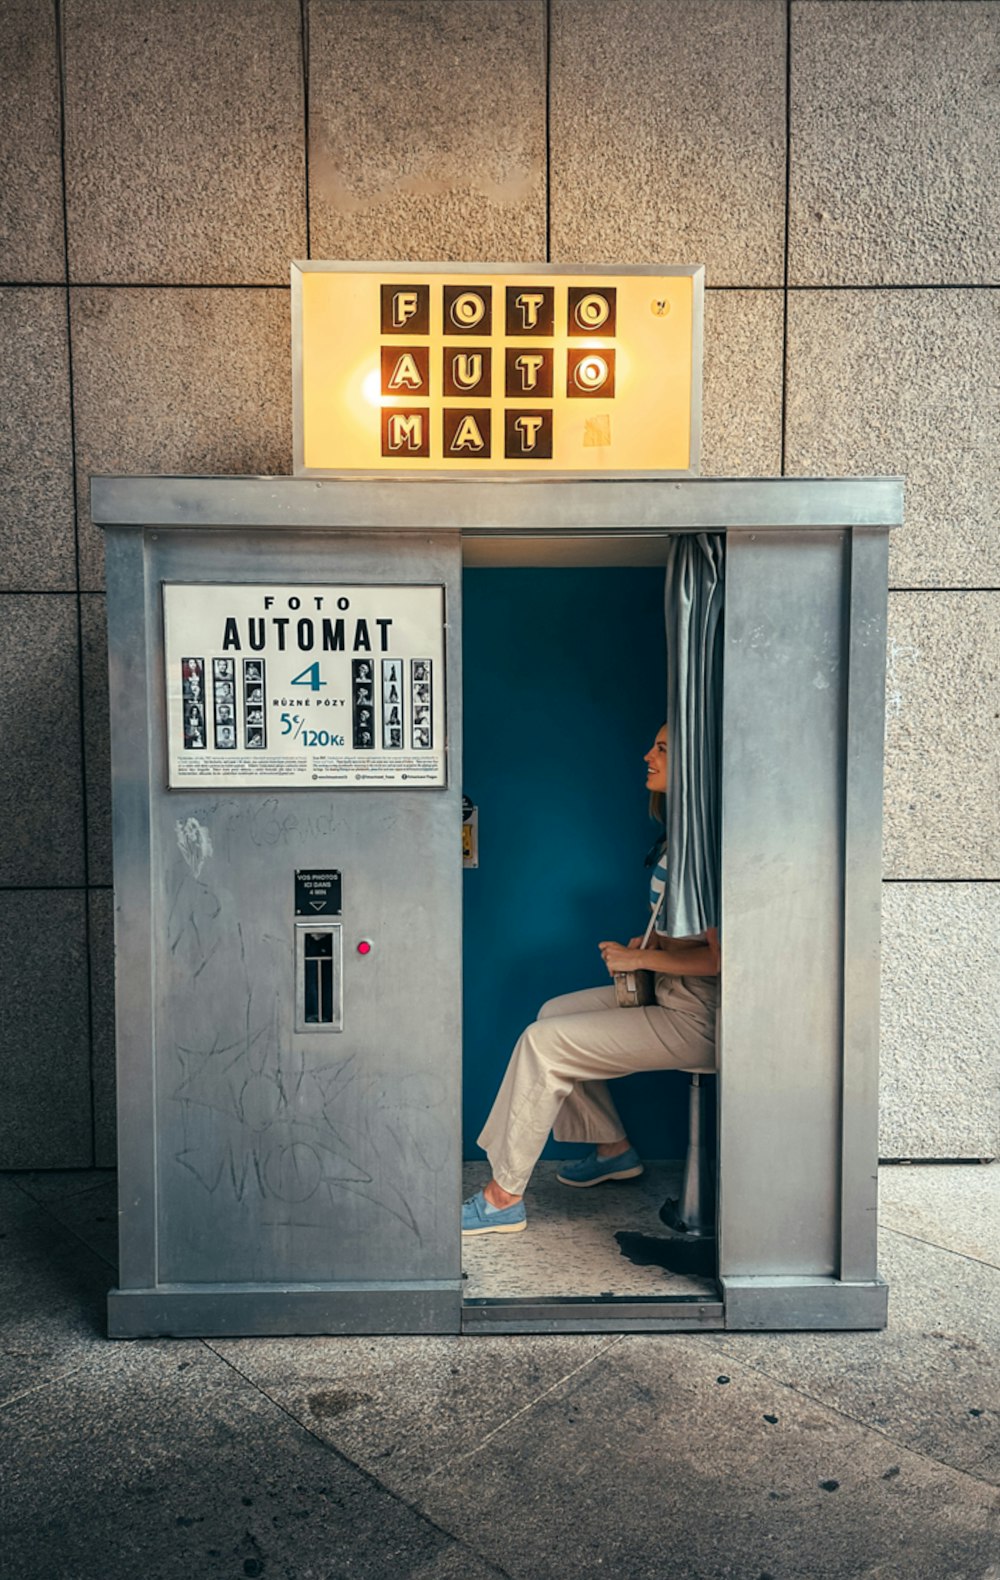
(431, 367)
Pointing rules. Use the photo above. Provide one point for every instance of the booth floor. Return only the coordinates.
(569, 1247)
(682, 1456)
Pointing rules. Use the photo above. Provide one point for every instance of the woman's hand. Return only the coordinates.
(676, 957)
(619, 958)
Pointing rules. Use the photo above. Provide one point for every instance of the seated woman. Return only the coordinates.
(557, 1075)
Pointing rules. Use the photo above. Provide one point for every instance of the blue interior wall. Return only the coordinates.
(563, 693)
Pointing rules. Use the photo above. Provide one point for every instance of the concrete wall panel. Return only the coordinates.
(102, 1014)
(668, 135)
(37, 548)
(96, 736)
(185, 146)
(894, 143)
(45, 1118)
(942, 811)
(427, 129)
(905, 382)
(41, 800)
(940, 1013)
(178, 381)
(31, 218)
(741, 435)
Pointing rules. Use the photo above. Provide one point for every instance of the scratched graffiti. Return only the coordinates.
(902, 661)
(280, 1130)
(195, 844)
(263, 1118)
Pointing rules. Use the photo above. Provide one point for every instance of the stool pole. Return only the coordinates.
(696, 1209)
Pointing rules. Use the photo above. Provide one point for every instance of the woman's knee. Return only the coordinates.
(586, 1001)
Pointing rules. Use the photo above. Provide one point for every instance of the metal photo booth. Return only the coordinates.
(289, 940)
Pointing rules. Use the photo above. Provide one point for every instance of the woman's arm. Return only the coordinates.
(674, 957)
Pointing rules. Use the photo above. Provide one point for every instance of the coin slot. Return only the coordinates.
(319, 978)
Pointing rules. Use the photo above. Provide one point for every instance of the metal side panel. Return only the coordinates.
(782, 905)
(802, 777)
(130, 682)
(868, 578)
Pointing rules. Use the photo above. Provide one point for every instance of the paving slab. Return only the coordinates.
(164, 1462)
(10, 1195)
(49, 1185)
(930, 1381)
(955, 1206)
(666, 1461)
(798, 1457)
(408, 1408)
(53, 1293)
(93, 1217)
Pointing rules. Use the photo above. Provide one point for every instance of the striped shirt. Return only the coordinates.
(657, 885)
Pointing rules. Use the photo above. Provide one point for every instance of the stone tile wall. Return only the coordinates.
(831, 162)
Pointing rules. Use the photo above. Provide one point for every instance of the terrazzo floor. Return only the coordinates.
(569, 1246)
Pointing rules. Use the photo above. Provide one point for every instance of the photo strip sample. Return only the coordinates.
(363, 703)
(392, 704)
(421, 683)
(193, 693)
(224, 703)
(254, 704)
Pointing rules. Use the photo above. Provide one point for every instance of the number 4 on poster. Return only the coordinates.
(309, 677)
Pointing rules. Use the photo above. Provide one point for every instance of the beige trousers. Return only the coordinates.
(557, 1076)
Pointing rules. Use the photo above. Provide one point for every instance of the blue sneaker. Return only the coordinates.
(478, 1217)
(593, 1170)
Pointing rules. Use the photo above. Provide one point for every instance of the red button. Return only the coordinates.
(364, 948)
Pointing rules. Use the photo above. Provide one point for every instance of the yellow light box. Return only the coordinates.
(438, 367)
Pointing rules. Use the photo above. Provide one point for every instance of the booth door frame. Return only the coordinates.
(606, 1313)
(803, 1085)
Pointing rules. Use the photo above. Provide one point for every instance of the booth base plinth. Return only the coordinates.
(808, 1304)
(243, 1311)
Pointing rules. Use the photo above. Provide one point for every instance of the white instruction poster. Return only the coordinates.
(302, 685)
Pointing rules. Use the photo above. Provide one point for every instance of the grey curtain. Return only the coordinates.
(694, 599)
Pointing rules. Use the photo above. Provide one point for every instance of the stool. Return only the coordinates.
(693, 1214)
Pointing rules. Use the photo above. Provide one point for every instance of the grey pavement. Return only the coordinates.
(874, 1456)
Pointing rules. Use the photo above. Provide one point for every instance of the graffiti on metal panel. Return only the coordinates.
(263, 1120)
